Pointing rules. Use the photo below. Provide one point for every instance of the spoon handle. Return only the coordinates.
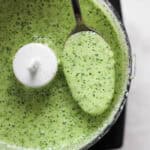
(77, 12)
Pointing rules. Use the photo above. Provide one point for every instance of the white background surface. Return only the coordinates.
(137, 20)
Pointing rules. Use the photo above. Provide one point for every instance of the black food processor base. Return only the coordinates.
(114, 138)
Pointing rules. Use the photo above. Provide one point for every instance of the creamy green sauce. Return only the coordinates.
(89, 69)
(49, 117)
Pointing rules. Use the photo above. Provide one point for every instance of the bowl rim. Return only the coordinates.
(128, 84)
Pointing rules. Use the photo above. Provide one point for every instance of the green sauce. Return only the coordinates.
(50, 118)
(89, 68)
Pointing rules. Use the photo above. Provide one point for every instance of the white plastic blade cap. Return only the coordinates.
(35, 65)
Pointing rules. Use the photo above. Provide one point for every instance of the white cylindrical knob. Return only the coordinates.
(35, 65)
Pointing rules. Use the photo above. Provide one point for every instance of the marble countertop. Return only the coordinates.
(137, 20)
